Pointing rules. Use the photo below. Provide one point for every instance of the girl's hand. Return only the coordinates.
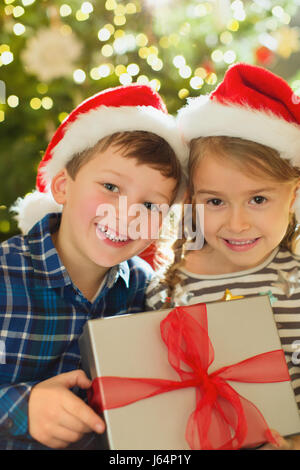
(282, 443)
(56, 416)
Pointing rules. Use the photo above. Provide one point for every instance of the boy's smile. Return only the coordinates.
(110, 236)
(245, 218)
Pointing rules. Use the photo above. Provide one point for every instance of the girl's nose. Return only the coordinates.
(238, 221)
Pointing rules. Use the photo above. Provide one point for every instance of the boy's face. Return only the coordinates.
(245, 218)
(111, 209)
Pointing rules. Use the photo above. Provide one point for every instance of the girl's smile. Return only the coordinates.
(241, 245)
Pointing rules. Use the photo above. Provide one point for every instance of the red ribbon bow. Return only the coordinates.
(222, 419)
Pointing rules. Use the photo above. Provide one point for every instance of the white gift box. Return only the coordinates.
(131, 346)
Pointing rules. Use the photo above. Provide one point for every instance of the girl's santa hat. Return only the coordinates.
(250, 103)
(119, 109)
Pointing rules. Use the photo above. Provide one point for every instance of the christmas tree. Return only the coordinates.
(53, 54)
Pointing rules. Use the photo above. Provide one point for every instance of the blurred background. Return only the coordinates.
(54, 54)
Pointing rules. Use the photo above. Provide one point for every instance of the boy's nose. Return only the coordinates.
(238, 221)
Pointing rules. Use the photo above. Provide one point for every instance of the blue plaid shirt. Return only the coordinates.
(42, 315)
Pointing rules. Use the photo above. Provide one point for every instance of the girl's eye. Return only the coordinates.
(259, 200)
(151, 207)
(111, 187)
(215, 202)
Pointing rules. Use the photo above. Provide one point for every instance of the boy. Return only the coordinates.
(79, 264)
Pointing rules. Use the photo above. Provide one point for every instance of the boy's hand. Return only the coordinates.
(56, 415)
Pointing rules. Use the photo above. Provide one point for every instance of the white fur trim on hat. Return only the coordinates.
(90, 127)
(206, 117)
(32, 208)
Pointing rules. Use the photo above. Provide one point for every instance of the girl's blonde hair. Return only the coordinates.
(250, 157)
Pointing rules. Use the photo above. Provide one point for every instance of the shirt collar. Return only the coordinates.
(121, 270)
(49, 271)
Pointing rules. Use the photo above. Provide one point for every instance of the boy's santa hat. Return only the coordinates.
(124, 108)
(250, 103)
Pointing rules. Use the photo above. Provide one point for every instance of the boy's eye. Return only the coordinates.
(258, 199)
(215, 202)
(111, 187)
(151, 207)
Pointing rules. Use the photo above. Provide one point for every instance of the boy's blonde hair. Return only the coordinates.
(251, 157)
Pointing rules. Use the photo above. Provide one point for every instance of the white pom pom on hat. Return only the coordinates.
(120, 109)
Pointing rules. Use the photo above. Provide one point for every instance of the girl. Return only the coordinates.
(244, 169)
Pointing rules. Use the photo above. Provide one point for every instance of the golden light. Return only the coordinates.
(26, 3)
(19, 29)
(155, 84)
(185, 71)
(107, 50)
(196, 83)
(7, 57)
(133, 69)
(65, 10)
(141, 40)
(130, 8)
(110, 4)
(183, 93)
(62, 116)
(142, 80)
(211, 79)
(119, 70)
(217, 55)
(179, 61)
(87, 8)
(94, 73)
(79, 76)
(13, 101)
(229, 57)
(81, 16)
(200, 72)
(18, 11)
(35, 103)
(125, 79)
(104, 70)
(47, 102)
(42, 88)
(104, 34)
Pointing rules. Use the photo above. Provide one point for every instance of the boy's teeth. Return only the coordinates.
(109, 234)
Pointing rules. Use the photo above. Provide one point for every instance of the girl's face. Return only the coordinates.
(245, 217)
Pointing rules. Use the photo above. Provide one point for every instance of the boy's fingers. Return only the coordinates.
(76, 407)
(74, 378)
(66, 435)
(72, 423)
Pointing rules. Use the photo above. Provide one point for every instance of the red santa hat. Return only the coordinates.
(119, 109)
(250, 103)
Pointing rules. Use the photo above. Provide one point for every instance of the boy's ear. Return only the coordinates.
(59, 186)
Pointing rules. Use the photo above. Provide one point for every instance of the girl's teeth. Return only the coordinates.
(246, 242)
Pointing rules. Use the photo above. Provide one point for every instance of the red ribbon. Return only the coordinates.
(222, 419)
